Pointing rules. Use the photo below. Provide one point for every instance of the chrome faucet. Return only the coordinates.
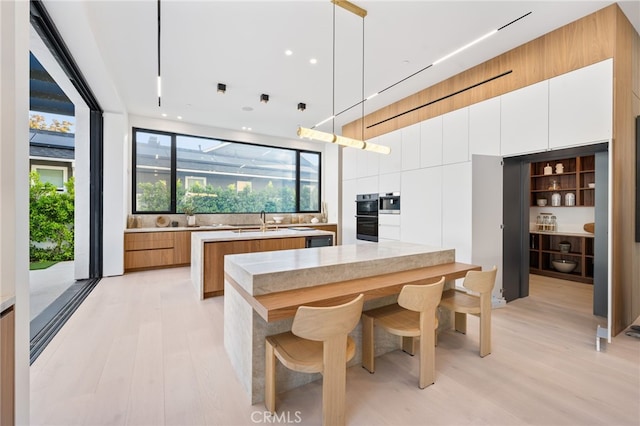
(263, 220)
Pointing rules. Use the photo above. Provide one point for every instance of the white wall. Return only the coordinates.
(14, 185)
(116, 172)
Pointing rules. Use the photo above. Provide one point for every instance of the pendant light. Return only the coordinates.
(304, 132)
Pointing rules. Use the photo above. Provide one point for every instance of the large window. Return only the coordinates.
(177, 173)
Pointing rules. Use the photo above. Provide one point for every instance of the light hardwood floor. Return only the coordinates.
(143, 350)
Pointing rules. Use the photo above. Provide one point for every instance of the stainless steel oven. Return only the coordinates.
(367, 217)
(389, 203)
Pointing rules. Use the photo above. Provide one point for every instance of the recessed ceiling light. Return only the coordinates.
(288, 52)
(179, 117)
(247, 108)
(313, 61)
(164, 114)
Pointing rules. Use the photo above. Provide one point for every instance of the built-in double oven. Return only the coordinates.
(367, 217)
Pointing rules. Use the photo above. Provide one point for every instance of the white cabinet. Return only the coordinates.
(367, 161)
(431, 142)
(411, 147)
(348, 222)
(456, 209)
(524, 120)
(392, 162)
(421, 206)
(484, 127)
(581, 106)
(368, 185)
(349, 163)
(389, 182)
(455, 136)
(389, 227)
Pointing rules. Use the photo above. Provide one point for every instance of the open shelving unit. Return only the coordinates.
(578, 173)
(545, 248)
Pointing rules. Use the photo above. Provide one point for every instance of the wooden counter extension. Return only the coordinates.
(284, 304)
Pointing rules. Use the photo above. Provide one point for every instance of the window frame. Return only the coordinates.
(173, 173)
(65, 173)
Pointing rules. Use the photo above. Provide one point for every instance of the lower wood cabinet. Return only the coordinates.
(545, 248)
(214, 253)
(7, 367)
(151, 250)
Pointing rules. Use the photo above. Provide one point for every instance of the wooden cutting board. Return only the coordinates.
(589, 227)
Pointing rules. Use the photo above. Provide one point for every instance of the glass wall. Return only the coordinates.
(183, 174)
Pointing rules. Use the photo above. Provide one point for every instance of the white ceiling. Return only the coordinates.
(242, 44)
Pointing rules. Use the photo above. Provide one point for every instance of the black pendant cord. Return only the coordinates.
(362, 124)
(159, 81)
(333, 80)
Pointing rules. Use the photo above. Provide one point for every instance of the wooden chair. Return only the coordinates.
(413, 316)
(317, 343)
(479, 304)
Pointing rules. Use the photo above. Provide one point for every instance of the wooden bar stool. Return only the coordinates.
(318, 342)
(413, 316)
(479, 304)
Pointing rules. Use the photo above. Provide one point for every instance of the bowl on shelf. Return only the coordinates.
(542, 202)
(591, 185)
(565, 266)
(277, 219)
(565, 246)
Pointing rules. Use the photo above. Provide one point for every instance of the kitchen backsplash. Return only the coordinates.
(149, 220)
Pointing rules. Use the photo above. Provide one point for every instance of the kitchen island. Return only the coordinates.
(209, 248)
(263, 291)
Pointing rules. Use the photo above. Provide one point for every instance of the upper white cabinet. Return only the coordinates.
(392, 162)
(431, 142)
(457, 209)
(455, 136)
(367, 185)
(484, 127)
(411, 147)
(581, 106)
(389, 182)
(421, 206)
(349, 163)
(524, 120)
(368, 162)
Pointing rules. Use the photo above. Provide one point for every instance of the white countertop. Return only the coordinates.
(6, 302)
(218, 227)
(560, 233)
(206, 237)
(266, 272)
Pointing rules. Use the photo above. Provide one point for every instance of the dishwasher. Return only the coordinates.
(318, 241)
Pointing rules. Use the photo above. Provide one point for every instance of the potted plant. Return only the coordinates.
(189, 210)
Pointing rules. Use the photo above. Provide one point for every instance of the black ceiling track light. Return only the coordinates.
(432, 64)
(442, 98)
(159, 78)
(264, 98)
(302, 106)
(222, 88)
